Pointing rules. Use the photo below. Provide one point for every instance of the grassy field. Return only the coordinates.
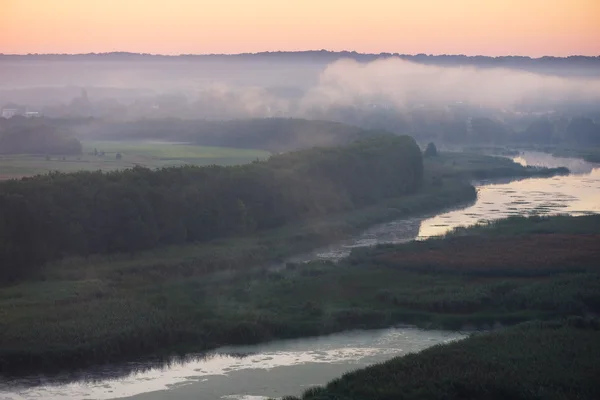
(557, 360)
(188, 298)
(88, 311)
(144, 153)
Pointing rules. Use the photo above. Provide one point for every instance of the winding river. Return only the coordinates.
(289, 367)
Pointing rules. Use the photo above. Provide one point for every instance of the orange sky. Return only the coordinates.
(488, 27)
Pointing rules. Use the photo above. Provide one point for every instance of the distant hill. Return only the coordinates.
(572, 66)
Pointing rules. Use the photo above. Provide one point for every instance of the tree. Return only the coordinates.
(431, 150)
(50, 216)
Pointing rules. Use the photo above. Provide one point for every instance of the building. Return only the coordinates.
(9, 112)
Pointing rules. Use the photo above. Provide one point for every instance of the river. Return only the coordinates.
(291, 366)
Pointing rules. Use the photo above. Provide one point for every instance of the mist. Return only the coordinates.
(314, 86)
(400, 84)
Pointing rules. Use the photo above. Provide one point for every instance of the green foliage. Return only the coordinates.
(531, 361)
(51, 216)
(589, 153)
(272, 134)
(477, 166)
(189, 298)
(430, 151)
(101, 156)
(24, 136)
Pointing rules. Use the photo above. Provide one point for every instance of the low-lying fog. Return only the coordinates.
(266, 86)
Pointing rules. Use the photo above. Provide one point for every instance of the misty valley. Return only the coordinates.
(299, 225)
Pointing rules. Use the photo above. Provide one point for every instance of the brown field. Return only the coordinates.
(534, 252)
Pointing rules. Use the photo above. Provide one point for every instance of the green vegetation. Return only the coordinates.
(181, 299)
(89, 310)
(48, 217)
(512, 270)
(272, 134)
(40, 145)
(143, 154)
(430, 150)
(148, 153)
(21, 135)
(44, 148)
(481, 167)
(589, 154)
(556, 360)
(492, 150)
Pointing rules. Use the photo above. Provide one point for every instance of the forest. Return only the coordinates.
(20, 135)
(284, 134)
(272, 134)
(51, 216)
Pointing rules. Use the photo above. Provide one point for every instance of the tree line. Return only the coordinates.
(51, 216)
(272, 134)
(20, 135)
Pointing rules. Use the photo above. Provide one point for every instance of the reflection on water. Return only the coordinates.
(289, 367)
(575, 194)
(390, 232)
(536, 159)
(272, 369)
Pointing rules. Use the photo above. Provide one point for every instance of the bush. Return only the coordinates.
(431, 150)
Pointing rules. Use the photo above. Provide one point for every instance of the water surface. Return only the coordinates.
(574, 194)
(254, 372)
(290, 367)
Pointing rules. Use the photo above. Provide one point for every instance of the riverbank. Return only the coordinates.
(80, 311)
(553, 360)
(588, 154)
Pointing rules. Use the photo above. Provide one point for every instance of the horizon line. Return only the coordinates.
(322, 51)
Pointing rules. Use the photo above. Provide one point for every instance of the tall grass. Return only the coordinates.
(531, 361)
(83, 311)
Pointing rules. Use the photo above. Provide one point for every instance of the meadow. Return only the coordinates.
(175, 299)
(102, 155)
(81, 312)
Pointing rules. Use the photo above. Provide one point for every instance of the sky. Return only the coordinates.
(472, 27)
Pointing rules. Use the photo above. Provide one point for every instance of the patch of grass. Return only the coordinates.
(144, 153)
(82, 311)
(171, 151)
(532, 361)
(118, 309)
(521, 225)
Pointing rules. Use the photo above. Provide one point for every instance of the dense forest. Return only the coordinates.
(467, 127)
(55, 135)
(50, 216)
(272, 134)
(20, 135)
(284, 134)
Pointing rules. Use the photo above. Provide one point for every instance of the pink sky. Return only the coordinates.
(487, 27)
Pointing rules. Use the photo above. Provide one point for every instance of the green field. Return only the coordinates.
(88, 310)
(144, 153)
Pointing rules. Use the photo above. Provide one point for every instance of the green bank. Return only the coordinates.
(80, 308)
(551, 360)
